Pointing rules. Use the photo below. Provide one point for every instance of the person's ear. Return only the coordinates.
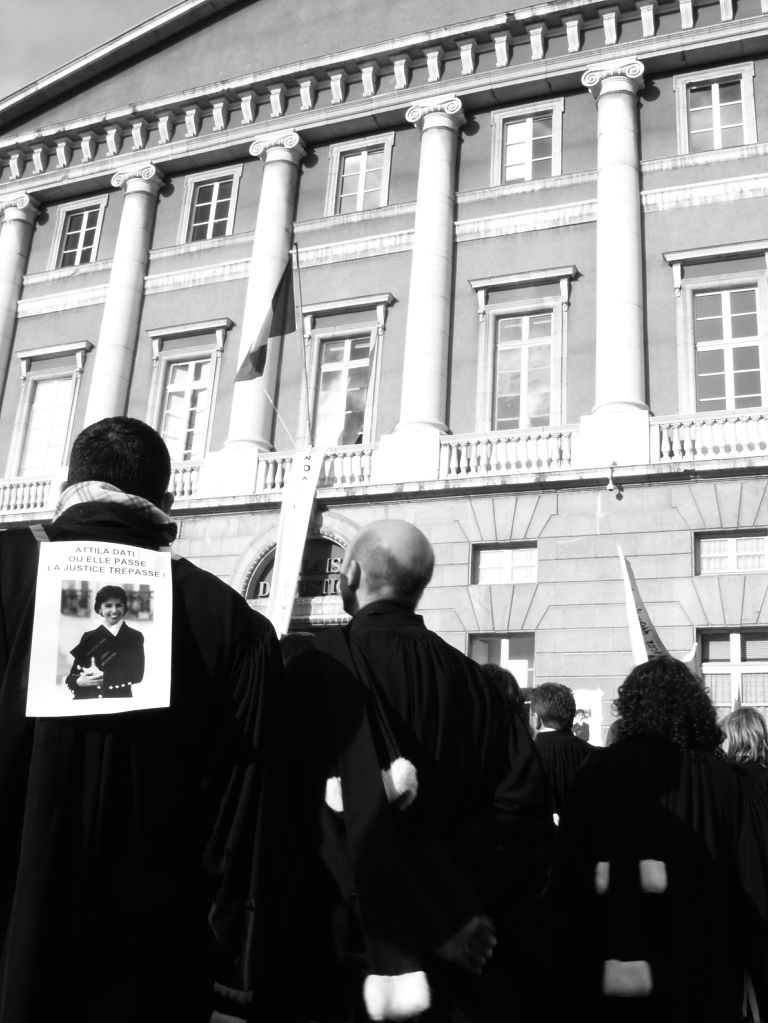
(352, 575)
(166, 503)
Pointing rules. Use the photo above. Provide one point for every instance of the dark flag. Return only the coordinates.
(280, 319)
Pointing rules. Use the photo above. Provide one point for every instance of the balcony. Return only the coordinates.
(468, 457)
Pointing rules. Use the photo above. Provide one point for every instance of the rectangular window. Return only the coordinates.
(513, 563)
(76, 232)
(735, 553)
(185, 410)
(528, 148)
(526, 142)
(514, 651)
(359, 173)
(727, 338)
(523, 388)
(78, 243)
(360, 181)
(50, 406)
(342, 391)
(209, 204)
(716, 116)
(735, 668)
(211, 209)
(715, 108)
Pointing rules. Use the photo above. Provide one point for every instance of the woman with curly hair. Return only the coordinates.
(649, 854)
(746, 746)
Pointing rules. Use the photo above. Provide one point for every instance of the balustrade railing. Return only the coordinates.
(701, 437)
(499, 454)
(25, 495)
(342, 467)
(184, 476)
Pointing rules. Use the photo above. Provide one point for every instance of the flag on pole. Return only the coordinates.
(280, 319)
(644, 640)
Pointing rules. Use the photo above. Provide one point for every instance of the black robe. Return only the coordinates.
(562, 754)
(644, 801)
(478, 836)
(119, 656)
(121, 834)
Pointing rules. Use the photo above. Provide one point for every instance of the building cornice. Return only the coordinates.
(177, 131)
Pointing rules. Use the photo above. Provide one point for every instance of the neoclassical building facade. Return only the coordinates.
(529, 254)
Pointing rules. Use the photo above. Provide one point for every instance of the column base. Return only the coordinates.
(612, 436)
(408, 456)
(230, 472)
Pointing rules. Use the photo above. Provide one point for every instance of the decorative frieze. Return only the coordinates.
(434, 63)
(192, 121)
(114, 136)
(165, 126)
(63, 153)
(220, 114)
(537, 34)
(468, 54)
(338, 80)
(370, 73)
(573, 30)
(401, 64)
(88, 146)
(647, 9)
(248, 105)
(610, 16)
(277, 95)
(308, 92)
(502, 42)
(40, 156)
(139, 134)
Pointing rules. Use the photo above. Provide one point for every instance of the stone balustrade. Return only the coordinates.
(704, 437)
(25, 495)
(184, 476)
(343, 467)
(502, 454)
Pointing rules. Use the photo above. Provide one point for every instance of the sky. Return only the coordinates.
(38, 36)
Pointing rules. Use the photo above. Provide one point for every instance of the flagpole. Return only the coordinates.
(295, 252)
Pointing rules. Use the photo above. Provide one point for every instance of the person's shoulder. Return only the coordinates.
(18, 541)
(202, 592)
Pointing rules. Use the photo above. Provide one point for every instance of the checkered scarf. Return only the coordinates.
(90, 491)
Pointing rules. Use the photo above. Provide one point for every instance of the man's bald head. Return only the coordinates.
(388, 560)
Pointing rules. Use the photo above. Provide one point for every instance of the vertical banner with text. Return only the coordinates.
(298, 501)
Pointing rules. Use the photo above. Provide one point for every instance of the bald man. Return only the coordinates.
(428, 807)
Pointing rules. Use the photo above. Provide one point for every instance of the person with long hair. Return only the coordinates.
(746, 746)
(649, 852)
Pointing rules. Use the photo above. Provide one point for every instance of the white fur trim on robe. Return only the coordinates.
(398, 997)
(627, 980)
(333, 794)
(400, 782)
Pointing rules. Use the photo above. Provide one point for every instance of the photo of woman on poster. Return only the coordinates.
(108, 660)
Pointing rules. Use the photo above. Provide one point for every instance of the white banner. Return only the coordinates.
(298, 501)
(101, 641)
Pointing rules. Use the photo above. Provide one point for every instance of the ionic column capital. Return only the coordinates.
(614, 75)
(20, 206)
(438, 112)
(146, 177)
(279, 145)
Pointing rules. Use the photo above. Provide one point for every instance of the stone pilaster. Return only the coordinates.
(17, 222)
(116, 347)
(425, 369)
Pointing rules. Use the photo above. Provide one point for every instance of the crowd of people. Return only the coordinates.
(360, 823)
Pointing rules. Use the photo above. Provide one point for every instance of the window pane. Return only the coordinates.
(743, 301)
(699, 96)
(730, 92)
(716, 647)
(754, 646)
(731, 137)
(510, 329)
(702, 142)
(540, 326)
(701, 120)
(541, 149)
(542, 126)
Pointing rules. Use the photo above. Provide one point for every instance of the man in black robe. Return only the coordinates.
(123, 835)
(562, 753)
(428, 805)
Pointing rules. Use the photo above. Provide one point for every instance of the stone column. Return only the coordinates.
(17, 222)
(425, 368)
(618, 431)
(620, 347)
(250, 424)
(233, 470)
(116, 347)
